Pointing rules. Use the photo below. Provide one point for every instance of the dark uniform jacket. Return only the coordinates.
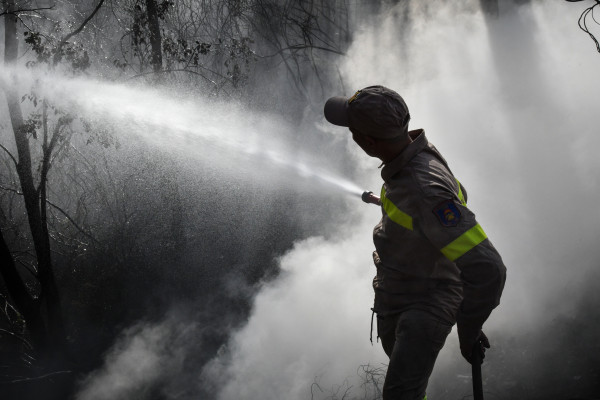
(431, 253)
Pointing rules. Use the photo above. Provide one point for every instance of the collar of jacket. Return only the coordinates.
(418, 144)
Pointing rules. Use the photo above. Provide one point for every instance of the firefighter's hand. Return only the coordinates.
(468, 338)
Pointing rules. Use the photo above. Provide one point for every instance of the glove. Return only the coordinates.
(468, 338)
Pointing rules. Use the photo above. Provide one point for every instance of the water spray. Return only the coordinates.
(370, 198)
(211, 127)
(190, 124)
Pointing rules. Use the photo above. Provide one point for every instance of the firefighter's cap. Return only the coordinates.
(375, 111)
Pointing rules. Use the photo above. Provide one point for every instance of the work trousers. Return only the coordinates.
(412, 340)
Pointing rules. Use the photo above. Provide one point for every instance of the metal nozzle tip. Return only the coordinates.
(369, 198)
(365, 196)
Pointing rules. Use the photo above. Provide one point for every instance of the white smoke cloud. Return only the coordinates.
(144, 355)
(312, 323)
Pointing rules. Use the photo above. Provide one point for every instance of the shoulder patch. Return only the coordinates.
(448, 213)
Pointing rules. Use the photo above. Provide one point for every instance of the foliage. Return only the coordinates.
(227, 45)
(48, 51)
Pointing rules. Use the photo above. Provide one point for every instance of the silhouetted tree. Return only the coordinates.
(39, 305)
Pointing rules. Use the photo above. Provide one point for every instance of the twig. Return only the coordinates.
(63, 212)
(75, 32)
(30, 268)
(165, 71)
(83, 24)
(16, 12)
(14, 335)
(312, 395)
(10, 154)
(6, 308)
(582, 20)
(41, 377)
(302, 47)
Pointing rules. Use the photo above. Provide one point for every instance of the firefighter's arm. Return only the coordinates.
(483, 275)
(453, 229)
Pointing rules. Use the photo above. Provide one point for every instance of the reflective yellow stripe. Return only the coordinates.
(461, 197)
(464, 243)
(395, 214)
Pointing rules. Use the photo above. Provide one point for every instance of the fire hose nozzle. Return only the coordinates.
(369, 197)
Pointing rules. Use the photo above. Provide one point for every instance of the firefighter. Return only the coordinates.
(435, 265)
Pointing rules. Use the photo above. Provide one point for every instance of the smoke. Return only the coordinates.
(142, 355)
(510, 104)
(151, 360)
(307, 327)
(186, 126)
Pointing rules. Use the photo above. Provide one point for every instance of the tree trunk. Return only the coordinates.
(155, 37)
(22, 299)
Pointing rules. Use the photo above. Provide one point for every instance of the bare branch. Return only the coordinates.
(83, 24)
(302, 47)
(63, 212)
(19, 337)
(76, 31)
(80, 229)
(29, 267)
(48, 148)
(183, 70)
(314, 384)
(8, 306)
(22, 10)
(582, 22)
(10, 154)
(11, 190)
(37, 378)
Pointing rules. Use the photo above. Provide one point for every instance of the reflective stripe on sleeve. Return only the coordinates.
(464, 243)
(461, 197)
(394, 213)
